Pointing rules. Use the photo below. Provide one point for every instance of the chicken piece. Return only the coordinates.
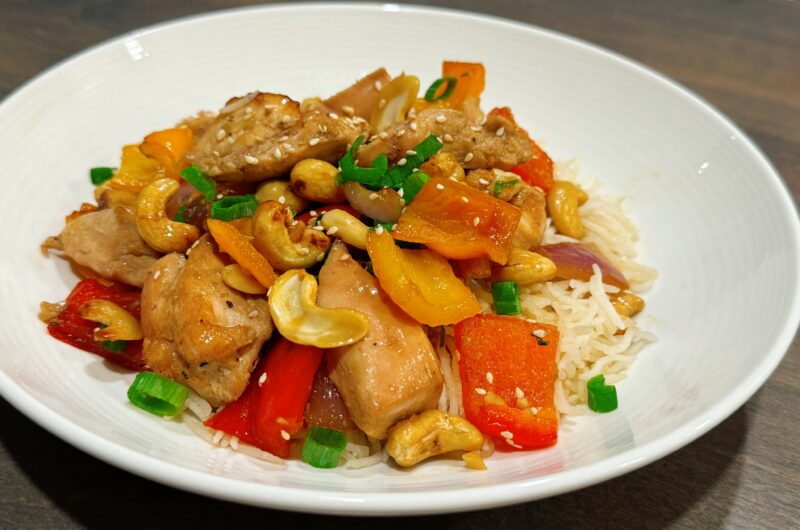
(359, 98)
(393, 372)
(261, 136)
(497, 143)
(199, 331)
(108, 242)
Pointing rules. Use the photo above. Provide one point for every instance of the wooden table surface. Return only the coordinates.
(741, 55)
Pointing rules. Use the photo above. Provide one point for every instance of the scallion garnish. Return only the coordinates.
(116, 346)
(323, 447)
(235, 207)
(430, 94)
(506, 298)
(200, 180)
(423, 151)
(180, 215)
(101, 174)
(386, 226)
(413, 184)
(157, 394)
(602, 397)
(500, 185)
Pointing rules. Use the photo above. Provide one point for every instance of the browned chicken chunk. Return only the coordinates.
(393, 372)
(497, 143)
(261, 136)
(199, 331)
(108, 242)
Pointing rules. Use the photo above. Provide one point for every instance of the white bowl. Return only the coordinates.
(714, 215)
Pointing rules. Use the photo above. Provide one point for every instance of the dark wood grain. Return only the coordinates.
(741, 55)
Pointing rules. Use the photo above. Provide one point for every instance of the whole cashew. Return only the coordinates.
(273, 190)
(119, 324)
(347, 228)
(271, 223)
(525, 268)
(315, 180)
(235, 277)
(626, 303)
(431, 433)
(563, 200)
(293, 306)
(158, 230)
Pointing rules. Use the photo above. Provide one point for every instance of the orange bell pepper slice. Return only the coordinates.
(136, 170)
(421, 282)
(538, 171)
(459, 221)
(168, 146)
(231, 241)
(473, 268)
(471, 80)
(514, 405)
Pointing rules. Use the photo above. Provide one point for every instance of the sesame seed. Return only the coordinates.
(539, 333)
(262, 379)
(277, 152)
(507, 434)
(235, 443)
(332, 230)
(282, 199)
(248, 110)
(411, 152)
(412, 126)
(489, 377)
(379, 230)
(451, 177)
(439, 187)
(219, 196)
(415, 170)
(480, 391)
(383, 135)
(156, 275)
(402, 162)
(448, 138)
(394, 226)
(303, 251)
(347, 109)
(519, 393)
(401, 191)
(464, 200)
(289, 148)
(283, 138)
(400, 133)
(313, 141)
(483, 181)
(333, 115)
(250, 159)
(217, 437)
(344, 257)
(280, 420)
(378, 85)
(285, 435)
(373, 196)
(512, 444)
(286, 119)
(253, 313)
(321, 257)
(313, 213)
(323, 128)
(295, 222)
(535, 410)
(319, 228)
(468, 157)
(269, 291)
(440, 118)
(215, 153)
(476, 128)
(476, 221)
(500, 131)
(221, 134)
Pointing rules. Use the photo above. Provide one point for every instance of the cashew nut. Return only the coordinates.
(119, 324)
(315, 180)
(443, 165)
(236, 278)
(525, 268)
(563, 200)
(158, 230)
(292, 304)
(384, 205)
(348, 228)
(626, 303)
(431, 433)
(273, 190)
(271, 223)
(393, 102)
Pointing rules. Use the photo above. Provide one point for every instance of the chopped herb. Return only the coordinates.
(234, 207)
(602, 397)
(200, 181)
(116, 346)
(500, 185)
(101, 174)
(430, 94)
(413, 184)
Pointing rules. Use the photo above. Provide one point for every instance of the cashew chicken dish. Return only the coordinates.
(386, 275)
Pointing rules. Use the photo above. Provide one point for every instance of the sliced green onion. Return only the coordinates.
(381, 162)
(430, 94)
(506, 298)
(157, 394)
(100, 174)
(323, 447)
(117, 346)
(180, 215)
(413, 183)
(602, 397)
(423, 151)
(200, 180)
(386, 226)
(500, 185)
(235, 207)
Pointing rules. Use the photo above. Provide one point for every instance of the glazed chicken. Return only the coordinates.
(393, 372)
(199, 331)
(108, 242)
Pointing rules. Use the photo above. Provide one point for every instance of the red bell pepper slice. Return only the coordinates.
(273, 405)
(523, 371)
(538, 171)
(69, 327)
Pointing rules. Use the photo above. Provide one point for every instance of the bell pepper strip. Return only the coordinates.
(470, 81)
(421, 282)
(237, 245)
(69, 327)
(167, 146)
(538, 171)
(473, 268)
(574, 262)
(136, 170)
(271, 408)
(307, 216)
(459, 221)
(508, 372)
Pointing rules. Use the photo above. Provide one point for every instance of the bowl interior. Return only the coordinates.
(714, 219)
